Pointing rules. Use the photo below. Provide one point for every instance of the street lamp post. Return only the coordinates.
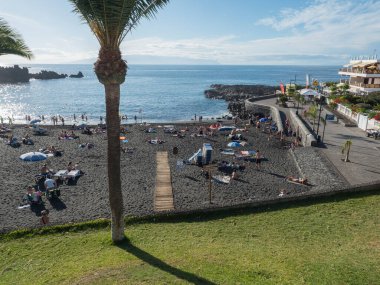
(324, 127)
(320, 101)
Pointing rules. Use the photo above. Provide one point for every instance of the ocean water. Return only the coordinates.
(153, 93)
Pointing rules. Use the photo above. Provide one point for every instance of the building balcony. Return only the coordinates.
(359, 72)
(360, 84)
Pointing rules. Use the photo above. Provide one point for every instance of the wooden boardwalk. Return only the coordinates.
(163, 197)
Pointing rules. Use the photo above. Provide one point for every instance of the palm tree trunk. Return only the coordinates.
(114, 180)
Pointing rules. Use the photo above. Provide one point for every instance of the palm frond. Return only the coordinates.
(11, 42)
(112, 20)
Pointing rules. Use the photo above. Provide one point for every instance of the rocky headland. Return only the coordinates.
(236, 95)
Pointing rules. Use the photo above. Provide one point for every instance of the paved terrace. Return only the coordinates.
(364, 155)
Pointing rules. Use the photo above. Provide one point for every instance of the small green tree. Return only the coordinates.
(283, 100)
(343, 90)
(333, 90)
(346, 149)
(313, 111)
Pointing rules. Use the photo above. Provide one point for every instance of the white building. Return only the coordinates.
(363, 75)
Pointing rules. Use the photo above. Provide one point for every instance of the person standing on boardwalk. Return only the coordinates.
(258, 159)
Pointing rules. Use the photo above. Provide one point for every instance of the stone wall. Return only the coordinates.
(307, 138)
(250, 106)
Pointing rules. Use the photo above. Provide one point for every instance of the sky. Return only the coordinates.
(236, 32)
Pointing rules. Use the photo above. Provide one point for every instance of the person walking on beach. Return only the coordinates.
(135, 119)
(101, 119)
(195, 117)
(63, 121)
(75, 118)
(258, 159)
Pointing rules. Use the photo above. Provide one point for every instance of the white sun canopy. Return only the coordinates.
(308, 92)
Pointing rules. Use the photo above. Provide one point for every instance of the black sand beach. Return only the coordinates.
(88, 199)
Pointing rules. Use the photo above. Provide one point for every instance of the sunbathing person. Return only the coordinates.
(32, 196)
(73, 135)
(70, 166)
(45, 170)
(297, 180)
(27, 140)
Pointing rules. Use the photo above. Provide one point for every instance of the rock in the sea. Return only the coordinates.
(79, 75)
(44, 74)
(14, 74)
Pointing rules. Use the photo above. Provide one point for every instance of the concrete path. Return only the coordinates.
(163, 198)
(364, 155)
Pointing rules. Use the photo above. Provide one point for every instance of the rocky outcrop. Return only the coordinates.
(236, 95)
(44, 75)
(14, 74)
(237, 92)
(79, 75)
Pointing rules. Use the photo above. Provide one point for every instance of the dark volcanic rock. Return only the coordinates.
(14, 74)
(79, 75)
(44, 75)
(237, 92)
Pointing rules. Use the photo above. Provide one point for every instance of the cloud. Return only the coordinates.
(324, 32)
(331, 25)
(319, 32)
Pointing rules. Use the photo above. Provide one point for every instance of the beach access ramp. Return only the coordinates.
(163, 195)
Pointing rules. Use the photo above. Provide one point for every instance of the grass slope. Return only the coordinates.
(332, 242)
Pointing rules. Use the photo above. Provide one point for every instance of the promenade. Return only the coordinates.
(364, 165)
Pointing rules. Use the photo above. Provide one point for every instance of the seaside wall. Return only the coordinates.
(266, 110)
(307, 138)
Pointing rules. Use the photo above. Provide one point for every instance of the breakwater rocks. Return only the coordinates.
(237, 92)
(17, 74)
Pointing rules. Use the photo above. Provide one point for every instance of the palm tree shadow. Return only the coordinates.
(155, 262)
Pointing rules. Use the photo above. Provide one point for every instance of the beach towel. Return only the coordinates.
(222, 179)
(23, 206)
(228, 151)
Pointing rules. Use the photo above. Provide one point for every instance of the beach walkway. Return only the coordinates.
(163, 197)
(364, 153)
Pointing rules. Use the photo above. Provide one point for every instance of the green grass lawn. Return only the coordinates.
(331, 242)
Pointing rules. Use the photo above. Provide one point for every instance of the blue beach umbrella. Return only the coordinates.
(263, 120)
(32, 122)
(234, 144)
(33, 156)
